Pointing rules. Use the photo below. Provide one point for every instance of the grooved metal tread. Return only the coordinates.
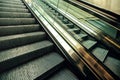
(16, 21)
(14, 15)
(17, 29)
(21, 39)
(26, 52)
(34, 68)
(12, 6)
(12, 2)
(63, 74)
(8, 9)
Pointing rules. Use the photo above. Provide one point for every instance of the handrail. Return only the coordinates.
(93, 31)
(64, 47)
(102, 10)
(107, 17)
(75, 51)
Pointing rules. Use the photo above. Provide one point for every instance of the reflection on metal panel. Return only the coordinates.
(112, 5)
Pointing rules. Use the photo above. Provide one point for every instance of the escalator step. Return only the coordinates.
(33, 69)
(17, 29)
(81, 36)
(60, 17)
(89, 43)
(12, 2)
(70, 25)
(113, 64)
(20, 39)
(63, 74)
(16, 21)
(14, 15)
(76, 30)
(65, 21)
(7, 9)
(100, 53)
(25, 51)
(12, 6)
(15, 56)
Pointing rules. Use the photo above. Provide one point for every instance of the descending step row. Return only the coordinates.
(26, 50)
(102, 53)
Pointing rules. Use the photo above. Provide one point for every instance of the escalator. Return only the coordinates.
(39, 41)
(94, 42)
(101, 12)
(26, 50)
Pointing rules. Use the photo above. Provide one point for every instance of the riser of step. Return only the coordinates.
(17, 29)
(21, 39)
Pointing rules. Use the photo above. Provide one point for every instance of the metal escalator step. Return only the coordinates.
(33, 69)
(12, 6)
(12, 2)
(89, 43)
(15, 15)
(7, 9)
(60, 17)
(65, 21)
(81, 36)
(76, 30)
(113, 64)
(12, 57)
(56, 14)
(51, 72)
(100, 53)
(63, 74)
(20, 39)
(53, 11)
(16, 21)
(23, 55)
(70, 25)
(18, 29)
